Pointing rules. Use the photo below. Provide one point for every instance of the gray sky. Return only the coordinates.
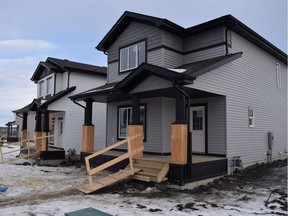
(32, 30)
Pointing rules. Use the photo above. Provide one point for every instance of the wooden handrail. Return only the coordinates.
(20, 149)
(129, 155)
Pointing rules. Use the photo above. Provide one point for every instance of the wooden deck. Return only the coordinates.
(167, 158)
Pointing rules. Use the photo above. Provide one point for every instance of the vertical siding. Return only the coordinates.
(250, 82)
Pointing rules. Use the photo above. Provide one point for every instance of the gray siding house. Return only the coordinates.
(221, 80)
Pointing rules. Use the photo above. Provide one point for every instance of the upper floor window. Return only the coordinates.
(41, 89)
(278, 75)
(45, 86)
(132, 56)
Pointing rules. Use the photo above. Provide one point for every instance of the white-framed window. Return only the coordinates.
(46, 86)
(125, 118)
(49, 86)
(251, 117)
(41, 89)
(132, 56)
(278, 75)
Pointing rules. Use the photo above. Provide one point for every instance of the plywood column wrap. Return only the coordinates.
(44, 141)
(24, 137)
(138, 142)
(37, 140)
(88, 138)
(179, 144)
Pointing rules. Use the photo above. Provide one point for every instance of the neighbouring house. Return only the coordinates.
(209, 98)
(52, 113)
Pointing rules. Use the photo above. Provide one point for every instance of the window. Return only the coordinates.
(198, 120)
(132, 56)
(46, 86)
(49, 86)
(251, 117)
(125, 118)
(41, 89)
(278, 75)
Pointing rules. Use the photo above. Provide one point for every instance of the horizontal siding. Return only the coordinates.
(204, 54)
(216, 123)
(250, 82)
(74, 114)
(168, 119)
(172, 59)
(172, 41)
(208, 38)
(155, 57)
(134, 33)
(153, 124)
(152, 83)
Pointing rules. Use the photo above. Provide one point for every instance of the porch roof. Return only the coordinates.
(40, 103)
(182, 76)
(119, 90)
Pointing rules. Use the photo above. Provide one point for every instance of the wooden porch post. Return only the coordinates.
(38, 131)
(24, 130)
(45, 131)
(138, 142)
(179, 132)
(88, 128)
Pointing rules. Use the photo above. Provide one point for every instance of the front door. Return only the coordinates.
(60, 132)
(197, 127)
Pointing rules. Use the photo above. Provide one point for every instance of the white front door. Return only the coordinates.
(197, 127)
(60, 132)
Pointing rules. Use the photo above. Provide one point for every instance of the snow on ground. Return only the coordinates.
(50, 191)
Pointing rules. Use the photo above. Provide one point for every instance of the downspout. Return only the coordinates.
(68, 81)
(226, 36)
(189, 137)
(55, 84)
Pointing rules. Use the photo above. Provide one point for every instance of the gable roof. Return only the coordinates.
(228, 21)
(62, 65)
(145, 70)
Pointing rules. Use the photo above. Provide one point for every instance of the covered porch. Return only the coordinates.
(159, 100)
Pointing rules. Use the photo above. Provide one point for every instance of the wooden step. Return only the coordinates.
(151, 171)
(108, 180)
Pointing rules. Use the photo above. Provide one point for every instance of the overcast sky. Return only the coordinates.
(32, 30)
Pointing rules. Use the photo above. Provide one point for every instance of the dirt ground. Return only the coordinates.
(243, 185)
(34, 190)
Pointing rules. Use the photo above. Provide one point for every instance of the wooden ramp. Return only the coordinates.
(122, 174)
(150, 170)
(106, 181)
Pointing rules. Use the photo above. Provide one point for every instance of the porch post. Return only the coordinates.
(179, 139)
(45, 131)
(38, 131)
(24, 130)
(88, 128)
(136, 127)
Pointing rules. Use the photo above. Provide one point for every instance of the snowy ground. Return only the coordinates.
(50, 191)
